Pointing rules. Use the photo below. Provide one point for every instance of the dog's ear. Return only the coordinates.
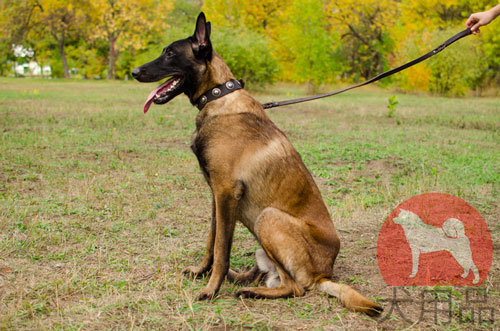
(202, 47)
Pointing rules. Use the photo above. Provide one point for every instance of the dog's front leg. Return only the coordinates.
(206, 264)
(225, 207)
(415, 253)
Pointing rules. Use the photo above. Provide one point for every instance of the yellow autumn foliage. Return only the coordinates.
(316, 41)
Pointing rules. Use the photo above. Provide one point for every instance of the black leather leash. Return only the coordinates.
(438, 49)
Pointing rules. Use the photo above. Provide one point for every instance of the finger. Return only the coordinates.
(470, 22)
(473, 19)
(475, 28)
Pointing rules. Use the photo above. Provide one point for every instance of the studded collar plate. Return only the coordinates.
(219, 91)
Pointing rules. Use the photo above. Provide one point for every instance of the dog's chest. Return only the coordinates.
(198, 146)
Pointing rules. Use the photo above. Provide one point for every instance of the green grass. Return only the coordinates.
(102, 206)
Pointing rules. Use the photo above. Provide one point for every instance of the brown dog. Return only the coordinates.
(256, 177)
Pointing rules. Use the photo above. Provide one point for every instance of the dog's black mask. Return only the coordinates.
(184, 61)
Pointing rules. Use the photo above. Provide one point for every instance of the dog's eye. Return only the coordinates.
(169, 53)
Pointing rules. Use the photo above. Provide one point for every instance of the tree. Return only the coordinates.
(427, 23)
(62, 19)
(312, 48)
(127, 23)
(365, 32)
(16, 23)
(31, 21)
(492, 45)
(247, 54)
(262, 17)
(431, 14)
(453, 73)
(12, 29)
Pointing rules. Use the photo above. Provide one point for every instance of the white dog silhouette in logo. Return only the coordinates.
(425, 238)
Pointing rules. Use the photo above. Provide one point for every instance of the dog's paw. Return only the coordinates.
(193, 272)
(206, 294)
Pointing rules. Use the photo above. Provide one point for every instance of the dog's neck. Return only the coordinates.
(217, 72)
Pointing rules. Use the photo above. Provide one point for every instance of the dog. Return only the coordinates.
(255, 176)
(425, 238)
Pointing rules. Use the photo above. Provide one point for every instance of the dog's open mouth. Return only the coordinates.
(165, 92)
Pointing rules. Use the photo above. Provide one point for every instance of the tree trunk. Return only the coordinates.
(112, 57)
(311, 88)
(60, 46)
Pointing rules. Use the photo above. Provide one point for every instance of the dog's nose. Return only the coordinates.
(136, 72)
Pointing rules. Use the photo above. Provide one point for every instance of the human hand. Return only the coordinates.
(479, 19)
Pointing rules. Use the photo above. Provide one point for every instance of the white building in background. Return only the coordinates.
(30, 68)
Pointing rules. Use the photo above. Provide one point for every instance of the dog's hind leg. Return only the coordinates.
(206, 264)
(282, 287)
(263, 268)
(247, 277)
(476, 274)
(266, 265)
(286, 252)
(463, 255)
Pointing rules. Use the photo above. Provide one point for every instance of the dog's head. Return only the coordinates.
(183, 61)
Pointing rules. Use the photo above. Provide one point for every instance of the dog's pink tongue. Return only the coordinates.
(151, 97)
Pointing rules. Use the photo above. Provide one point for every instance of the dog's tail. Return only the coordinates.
(349, 297)
(453, 228)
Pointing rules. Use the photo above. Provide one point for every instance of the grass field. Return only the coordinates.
(101, 206)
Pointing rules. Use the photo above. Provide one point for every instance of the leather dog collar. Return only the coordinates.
(219, 91)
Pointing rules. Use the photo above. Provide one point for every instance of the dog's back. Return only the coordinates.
(428, 238)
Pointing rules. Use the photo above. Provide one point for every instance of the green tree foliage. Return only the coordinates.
(466, 65)
(453, 73)
(246, 53)
(491, 47)
(312, 48)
